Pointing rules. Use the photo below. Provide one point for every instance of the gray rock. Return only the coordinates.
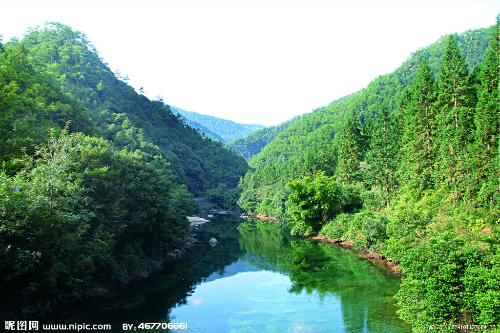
(212, 241)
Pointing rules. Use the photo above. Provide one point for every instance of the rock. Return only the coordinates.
(196, 220)
(213, 242)
(101, 290)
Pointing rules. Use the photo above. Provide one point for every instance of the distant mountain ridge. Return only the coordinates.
(217, 128)
(202, 129)
(252, 144)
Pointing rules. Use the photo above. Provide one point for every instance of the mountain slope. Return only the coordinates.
(226, 129)
(305, 146)
(197, 161)
(191, 123)
(251, 144)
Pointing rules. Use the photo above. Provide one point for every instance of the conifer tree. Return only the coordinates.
(349, 155)
(486, 117)
(486, 121)
(454, 118)
(382, 156)
(420, 123)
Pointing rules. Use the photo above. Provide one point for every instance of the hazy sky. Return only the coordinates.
(253, 61)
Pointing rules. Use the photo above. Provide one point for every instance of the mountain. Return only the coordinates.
(309, 144)
(408, 168)
(96, 180)
(215, 127)
(251, 144)
(191, 123)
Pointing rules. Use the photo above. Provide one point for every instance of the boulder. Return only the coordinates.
(196, 220)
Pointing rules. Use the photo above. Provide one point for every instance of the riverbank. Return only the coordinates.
(365, 254)
(264, 217)
(372, 256)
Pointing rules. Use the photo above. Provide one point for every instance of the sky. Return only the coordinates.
(254, 61)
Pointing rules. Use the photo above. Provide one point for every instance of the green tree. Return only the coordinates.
(382, 156)
(45, 214)
(454, 117)
(487, 129)
(419, 140)
(312, 202)
(349, 154)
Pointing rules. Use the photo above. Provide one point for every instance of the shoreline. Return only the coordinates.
(375, 258)
(365, 254)
(264, 217)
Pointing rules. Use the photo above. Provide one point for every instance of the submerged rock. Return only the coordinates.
(101, 290)
(212, 241)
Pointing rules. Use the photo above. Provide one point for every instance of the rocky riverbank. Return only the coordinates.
(374, 257)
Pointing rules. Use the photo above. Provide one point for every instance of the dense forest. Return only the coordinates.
(407, 167)
(217, 128)
(96, 180)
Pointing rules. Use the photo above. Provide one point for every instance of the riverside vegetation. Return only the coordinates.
(407, 167)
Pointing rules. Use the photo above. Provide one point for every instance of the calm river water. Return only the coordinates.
(258, 279)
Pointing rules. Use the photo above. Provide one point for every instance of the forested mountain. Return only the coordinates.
(253, 143)
(226, 129)
(95, 179)
(407, 167)
(191, 123)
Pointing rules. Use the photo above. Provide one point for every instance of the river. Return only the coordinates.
(258, 279)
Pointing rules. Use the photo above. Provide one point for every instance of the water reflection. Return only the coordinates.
(258, 279)
(365, 293)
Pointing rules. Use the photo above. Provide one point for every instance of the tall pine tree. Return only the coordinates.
(454, 118)
(350, 153)
(487, 130)
(419, 131)
(486, 117)
(382, 155)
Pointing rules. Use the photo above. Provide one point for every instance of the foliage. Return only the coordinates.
(451, 282)
(311, 202)
(382, 156)
(419, 136)
(84, 211)
(223, 196)
(311, 143)
(365, 228)
(314, 200)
